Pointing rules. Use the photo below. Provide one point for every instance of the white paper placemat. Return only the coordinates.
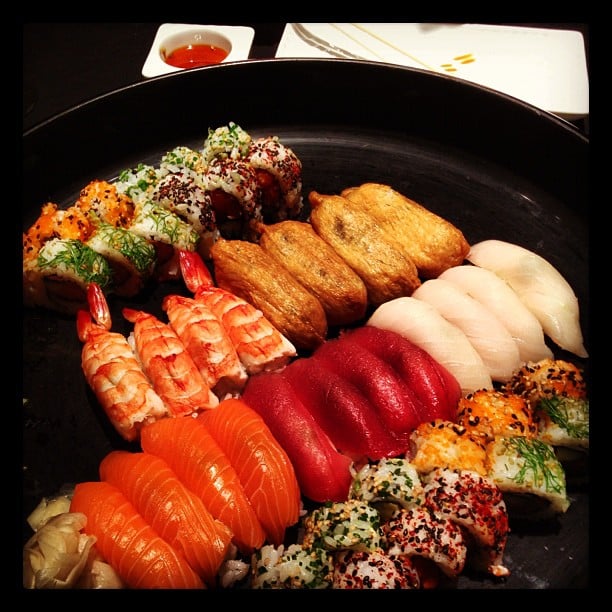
(544, 67)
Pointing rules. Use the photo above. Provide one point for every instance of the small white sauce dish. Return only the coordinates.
(236, 40)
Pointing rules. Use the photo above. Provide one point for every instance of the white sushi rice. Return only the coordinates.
(527, 466)
(225, 142)
(137, 183)
(351, 525)
(393, 480)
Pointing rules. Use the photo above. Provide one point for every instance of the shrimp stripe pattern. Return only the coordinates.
(169, 366)
(113, 372)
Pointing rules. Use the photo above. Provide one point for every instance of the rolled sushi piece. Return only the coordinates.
(530, 477)
(279, 172)
(557, 393)
(350, 525)
(434, 540)
(57, 276)
(169, 235)
(110, 214)
(294, 567)
(476, 504)
(131, 257)
(374, 569)
(137, 183)
(388, 485)
(181, 192)
(489, 413)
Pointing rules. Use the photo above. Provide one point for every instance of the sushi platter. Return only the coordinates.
(491, 165)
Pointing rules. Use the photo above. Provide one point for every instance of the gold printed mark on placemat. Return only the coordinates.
(466, 58)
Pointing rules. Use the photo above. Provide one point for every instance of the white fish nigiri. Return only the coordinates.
(496, 294)
(539, 285)
(488, 335)
(424, 326)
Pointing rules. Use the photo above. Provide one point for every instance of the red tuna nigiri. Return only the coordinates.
(202, 466)
(322, 472)
(437, 388)
(263, 467)
(342, 411)
(128, 543)
(176, 513)
(398, 407)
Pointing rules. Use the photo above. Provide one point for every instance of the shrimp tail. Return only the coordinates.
(195, 273)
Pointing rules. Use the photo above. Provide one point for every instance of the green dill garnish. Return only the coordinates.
(540, 464)
(569, 414)
(138, 250)
(168, 224)
(88, 265)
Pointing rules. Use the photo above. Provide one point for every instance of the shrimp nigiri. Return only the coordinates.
(260, 346)
(539, 285)
(496, 295)
(264, 469)
(208, 343)
(423, 325)
(128, 543)
(113, 372)
(200, 463)
(177, 514)
(168, 365)
(486, 332)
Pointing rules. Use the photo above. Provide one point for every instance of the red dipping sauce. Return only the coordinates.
(193, 56)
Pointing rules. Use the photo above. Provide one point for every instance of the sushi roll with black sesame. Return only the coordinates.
(489, 413)
(476, 504)
(279, 172)
(389, 484)
(181, 193)
(350, 525)
(530, 477)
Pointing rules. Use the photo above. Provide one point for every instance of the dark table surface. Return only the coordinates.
(67, 63)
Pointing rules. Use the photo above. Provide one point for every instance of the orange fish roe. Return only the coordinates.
(546, 379)
(490, 413)
(70, 224)
(444, 444)
(103, 199)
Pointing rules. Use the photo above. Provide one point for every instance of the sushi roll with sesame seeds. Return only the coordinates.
(57, 276)
(476, 504)
(352, 525)
(294, 567)
(168, 233)
(373, 569)
(109, 214)
(137, 183)
(530, 477)
(556, 391)
(279, 172)
(181, 193)
(441, 443)
(235, 193)
(389, 484)
(433, 541)
(490, 413)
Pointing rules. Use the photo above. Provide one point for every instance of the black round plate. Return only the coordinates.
(490, 164)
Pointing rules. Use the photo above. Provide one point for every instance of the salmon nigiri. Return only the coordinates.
(202, 466)
(128, 543)
(177, 514)
(264, 469)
